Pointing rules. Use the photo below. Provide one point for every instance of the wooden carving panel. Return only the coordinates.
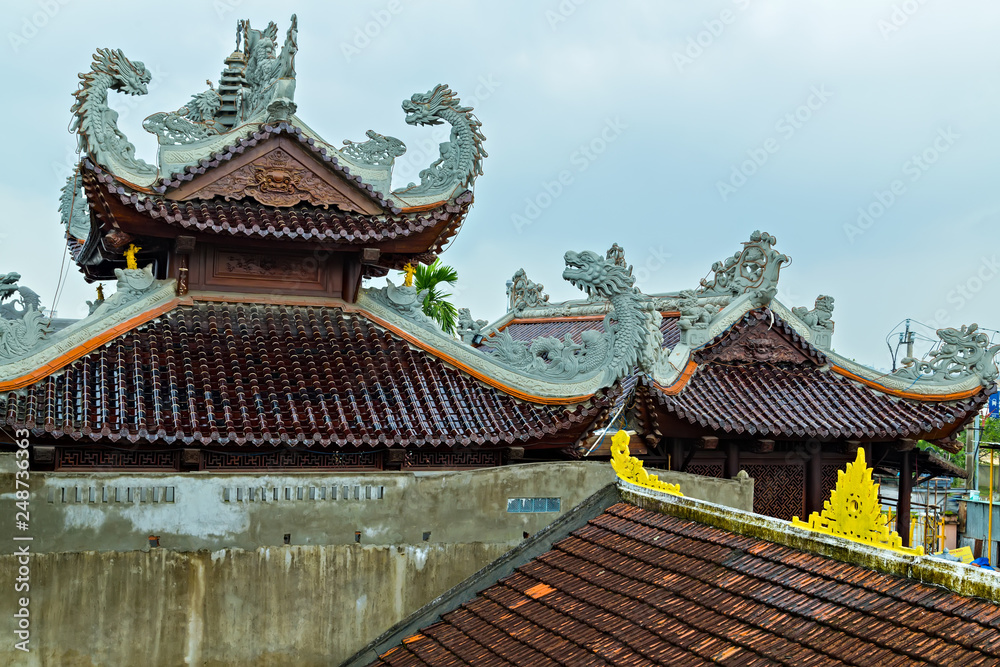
(277, 179)
(758, 344)
(268, 266)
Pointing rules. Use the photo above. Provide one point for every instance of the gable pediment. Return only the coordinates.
(278, 173)
(761, 341)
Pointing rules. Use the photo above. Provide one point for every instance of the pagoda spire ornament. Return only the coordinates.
(855, 513)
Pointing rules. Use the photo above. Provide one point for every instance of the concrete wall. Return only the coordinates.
(299, 605)
(191, 511)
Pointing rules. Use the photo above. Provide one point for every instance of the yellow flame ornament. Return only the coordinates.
(854, 511)
(630, 469)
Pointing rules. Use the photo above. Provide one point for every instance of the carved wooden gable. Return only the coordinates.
(759, 342)
(278, 173)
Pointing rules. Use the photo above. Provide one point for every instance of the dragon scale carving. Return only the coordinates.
(631, 333)
(96, 124)
(462, 157)
(963, 353)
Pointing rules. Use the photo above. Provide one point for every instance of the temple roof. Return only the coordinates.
(684, 582)
(237, 162)
(256, 374)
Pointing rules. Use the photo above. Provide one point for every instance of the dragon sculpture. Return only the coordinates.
(963, 353)
(270, 76)
(192, 122)
(20, 328)
(462, 157)
(96, 124)
(73, 210)
(522, 292)
(631, 333)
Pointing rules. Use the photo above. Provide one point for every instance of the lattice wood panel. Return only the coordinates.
(452, 460)
(294, 459)
(89, 459)
(778, 490)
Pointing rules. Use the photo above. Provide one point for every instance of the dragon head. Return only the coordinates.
(424, 108)
(129, 77)
(8, 284)
(595, 275)
(824, 303)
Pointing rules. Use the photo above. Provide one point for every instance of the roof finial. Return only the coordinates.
(854, 511)
(630, 468)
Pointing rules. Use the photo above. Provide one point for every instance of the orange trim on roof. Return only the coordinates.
(906, 394)
(493, 382)
(425, 207)
(572, 318)
(680, 382)
(87, 347)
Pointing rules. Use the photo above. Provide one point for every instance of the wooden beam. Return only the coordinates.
(709, 442)
(905, 445)
(764, 446)
(814, 482)
(903, 500)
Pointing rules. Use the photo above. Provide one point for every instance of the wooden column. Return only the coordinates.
(676, 454)
(903, 501)
(814, 483)
(732, 460)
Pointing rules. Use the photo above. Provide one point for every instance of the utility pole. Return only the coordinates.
(908, 337)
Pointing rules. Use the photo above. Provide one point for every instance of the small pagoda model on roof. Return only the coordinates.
(240, 337)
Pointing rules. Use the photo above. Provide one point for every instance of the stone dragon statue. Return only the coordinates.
(73, 210)
(192, 122)
(96, 124)
(631, 333)
(379, 149)
(963, 353)
(751, 270)
(462, 157)
(22, 328)
(270, 75)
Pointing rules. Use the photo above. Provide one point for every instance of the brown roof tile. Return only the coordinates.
(637, 587)
(251, 374)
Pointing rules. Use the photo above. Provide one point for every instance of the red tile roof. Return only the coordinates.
(302, 222)
(635, 587)
(244, 374)
(761, 379)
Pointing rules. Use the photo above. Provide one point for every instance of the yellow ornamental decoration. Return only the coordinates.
(854, 511)
(410, 271)
(130, 262)
(630, 468)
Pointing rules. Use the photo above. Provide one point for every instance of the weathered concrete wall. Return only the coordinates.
(118, 512)
(298, 605)
(192, 511)
(736, 493)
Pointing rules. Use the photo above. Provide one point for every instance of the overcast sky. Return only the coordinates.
(676, 129)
